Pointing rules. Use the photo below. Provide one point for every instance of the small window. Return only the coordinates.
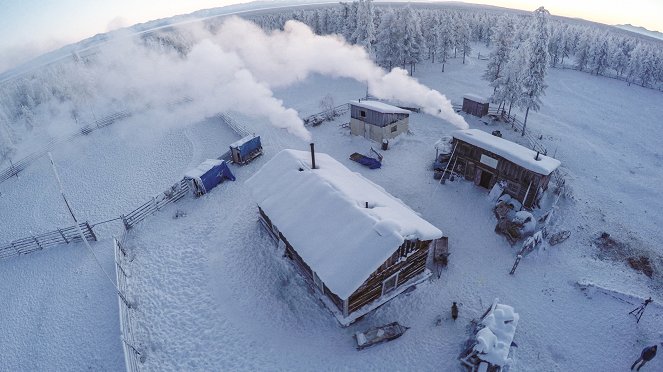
(394, 128)
(362, 113)
(389, 284)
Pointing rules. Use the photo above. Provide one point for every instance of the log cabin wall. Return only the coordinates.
(409, 260)
(521, 182)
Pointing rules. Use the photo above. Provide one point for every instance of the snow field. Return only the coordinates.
(213, 293)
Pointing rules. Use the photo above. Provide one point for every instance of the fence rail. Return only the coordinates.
(132, 356)
(46, 240)
(17, 167)
(175, 193)
(320, 117)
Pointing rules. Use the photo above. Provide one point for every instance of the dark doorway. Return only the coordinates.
(486, 177)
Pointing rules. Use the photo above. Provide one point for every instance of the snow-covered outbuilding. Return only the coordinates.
(376, 120)
(487, 159)
(208, 175)
(475, 105)
(358, 246)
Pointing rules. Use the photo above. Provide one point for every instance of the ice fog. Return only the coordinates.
(234, 67)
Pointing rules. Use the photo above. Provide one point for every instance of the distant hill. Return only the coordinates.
(641, 30)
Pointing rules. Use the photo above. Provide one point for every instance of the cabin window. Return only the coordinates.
(394, 128)
(362, 113)
(389, 284)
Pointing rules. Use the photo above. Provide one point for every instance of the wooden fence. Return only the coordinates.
(320, 117)
(132, 356)
(46, 240)
(175, 193)
(16, 167)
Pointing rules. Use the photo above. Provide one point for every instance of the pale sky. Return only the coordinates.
(31, 27)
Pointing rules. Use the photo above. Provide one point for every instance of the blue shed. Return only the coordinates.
(246, 149)
(207, 175)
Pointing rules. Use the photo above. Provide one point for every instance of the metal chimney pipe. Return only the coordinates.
(312, 155)
(537, 156)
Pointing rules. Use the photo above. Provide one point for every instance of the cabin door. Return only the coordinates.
(483, 178)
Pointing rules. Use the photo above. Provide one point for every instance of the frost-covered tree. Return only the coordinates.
(556, 44)
(508, 87)
(536, 65)
(503, 42)
(621, 55)
(600, 51)
(350, 20)
(413, 40)
(444, 39)
(464, 38)
(583, 56)
(388, 47)
(643, 66)
(364, 34)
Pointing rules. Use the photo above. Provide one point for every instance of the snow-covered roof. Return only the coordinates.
(509, 150)
(202, 168)
(476, 98)
(323, 214)
(380, 107)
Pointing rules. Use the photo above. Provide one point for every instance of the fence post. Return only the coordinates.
(119, 245)
(89, 228)
(13, 168)
(37, 241)
(121, 269)
(63, 237)
(127, 226)
(16, 249)
(131, 346)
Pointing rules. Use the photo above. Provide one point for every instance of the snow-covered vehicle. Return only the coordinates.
(489, 349)
(376, 335)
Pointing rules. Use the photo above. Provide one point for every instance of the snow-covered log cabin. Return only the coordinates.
(487, 159)
(376, 120)
(357, 245)
(475, 105)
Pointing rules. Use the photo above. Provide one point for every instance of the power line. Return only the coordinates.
(80, 231)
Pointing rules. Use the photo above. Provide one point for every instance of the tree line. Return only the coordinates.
(523, 45)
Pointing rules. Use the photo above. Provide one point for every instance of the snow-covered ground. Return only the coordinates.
(213, 293)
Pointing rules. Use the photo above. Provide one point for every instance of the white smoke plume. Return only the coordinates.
(234, 68)
(283, 57)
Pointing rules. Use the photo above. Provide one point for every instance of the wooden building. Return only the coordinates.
(357, 246)
(376, 120)
(475, 105)
(487, 159)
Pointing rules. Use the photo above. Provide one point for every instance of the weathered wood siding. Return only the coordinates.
(375, 117)
(475, 108)
(409, 261)
(377, 133)
(467, 161)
